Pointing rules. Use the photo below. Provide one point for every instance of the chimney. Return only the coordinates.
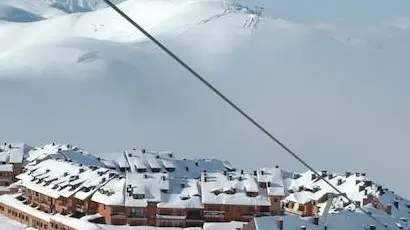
(357, 174)
(315, 220)
(357, 181)
(325, 227)
(372, 227)
(279, 224)
(255, 173)
(389, 209)
(241, 171)
(313, 176)
(187, 168)
(182, 185)
(205, 179)
(324, 173)
(268, 184)
(361, 188)
(225, 173)
(365, 192)
(277, 166)
(396, 204)
(196, 163)
(339, 181)
(363, 174)
(262, 172)
(331, 176)
(357, 204)
(348, 174)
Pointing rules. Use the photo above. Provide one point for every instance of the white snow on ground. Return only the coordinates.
(9, 224)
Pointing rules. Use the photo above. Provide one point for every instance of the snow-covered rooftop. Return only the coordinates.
(234, 188)
(274, 180)
(13, 153)
(63, 178)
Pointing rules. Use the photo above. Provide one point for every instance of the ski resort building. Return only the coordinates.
(12, 158)
(145, 188)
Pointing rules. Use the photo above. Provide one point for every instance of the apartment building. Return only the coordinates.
(12, 159)
(228, 196)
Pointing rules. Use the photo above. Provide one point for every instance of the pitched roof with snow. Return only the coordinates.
(274, 179)
(234, 188)
(307, 187)
(150, 161)
(64, 152)
(57, 178)
(13, 153)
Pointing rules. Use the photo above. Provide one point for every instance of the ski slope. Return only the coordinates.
(87, 77)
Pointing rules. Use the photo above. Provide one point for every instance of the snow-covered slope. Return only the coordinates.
(90, 78)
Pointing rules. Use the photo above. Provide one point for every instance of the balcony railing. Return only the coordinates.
(119, 213)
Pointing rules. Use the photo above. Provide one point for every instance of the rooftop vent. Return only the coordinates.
(296, 176)
(143, 151)
(187, 168)
(164, 178)
(339, 181)
(240, 178)
(81, 170)
(157, 156)
(277, 166)
(65, 174)
(196, 163)
(146, 176)
(170, 155)
(269, 184)
(313, 176)
(185, 197)
(183, 185)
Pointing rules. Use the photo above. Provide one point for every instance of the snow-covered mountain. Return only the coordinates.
(90, 78)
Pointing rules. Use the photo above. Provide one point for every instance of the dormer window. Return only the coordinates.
(252, 194)
(230, 191)
(138, 196)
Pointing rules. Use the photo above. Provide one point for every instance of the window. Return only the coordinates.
(137, 212)
(301, 208)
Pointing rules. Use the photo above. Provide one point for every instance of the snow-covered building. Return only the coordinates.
(63, 186)
(12, 159)
(271, 179)
(228, 196)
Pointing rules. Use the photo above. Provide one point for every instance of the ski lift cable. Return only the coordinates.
(232, 104)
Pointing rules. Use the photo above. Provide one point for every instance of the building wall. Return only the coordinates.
(276, 205)
(24, 217)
